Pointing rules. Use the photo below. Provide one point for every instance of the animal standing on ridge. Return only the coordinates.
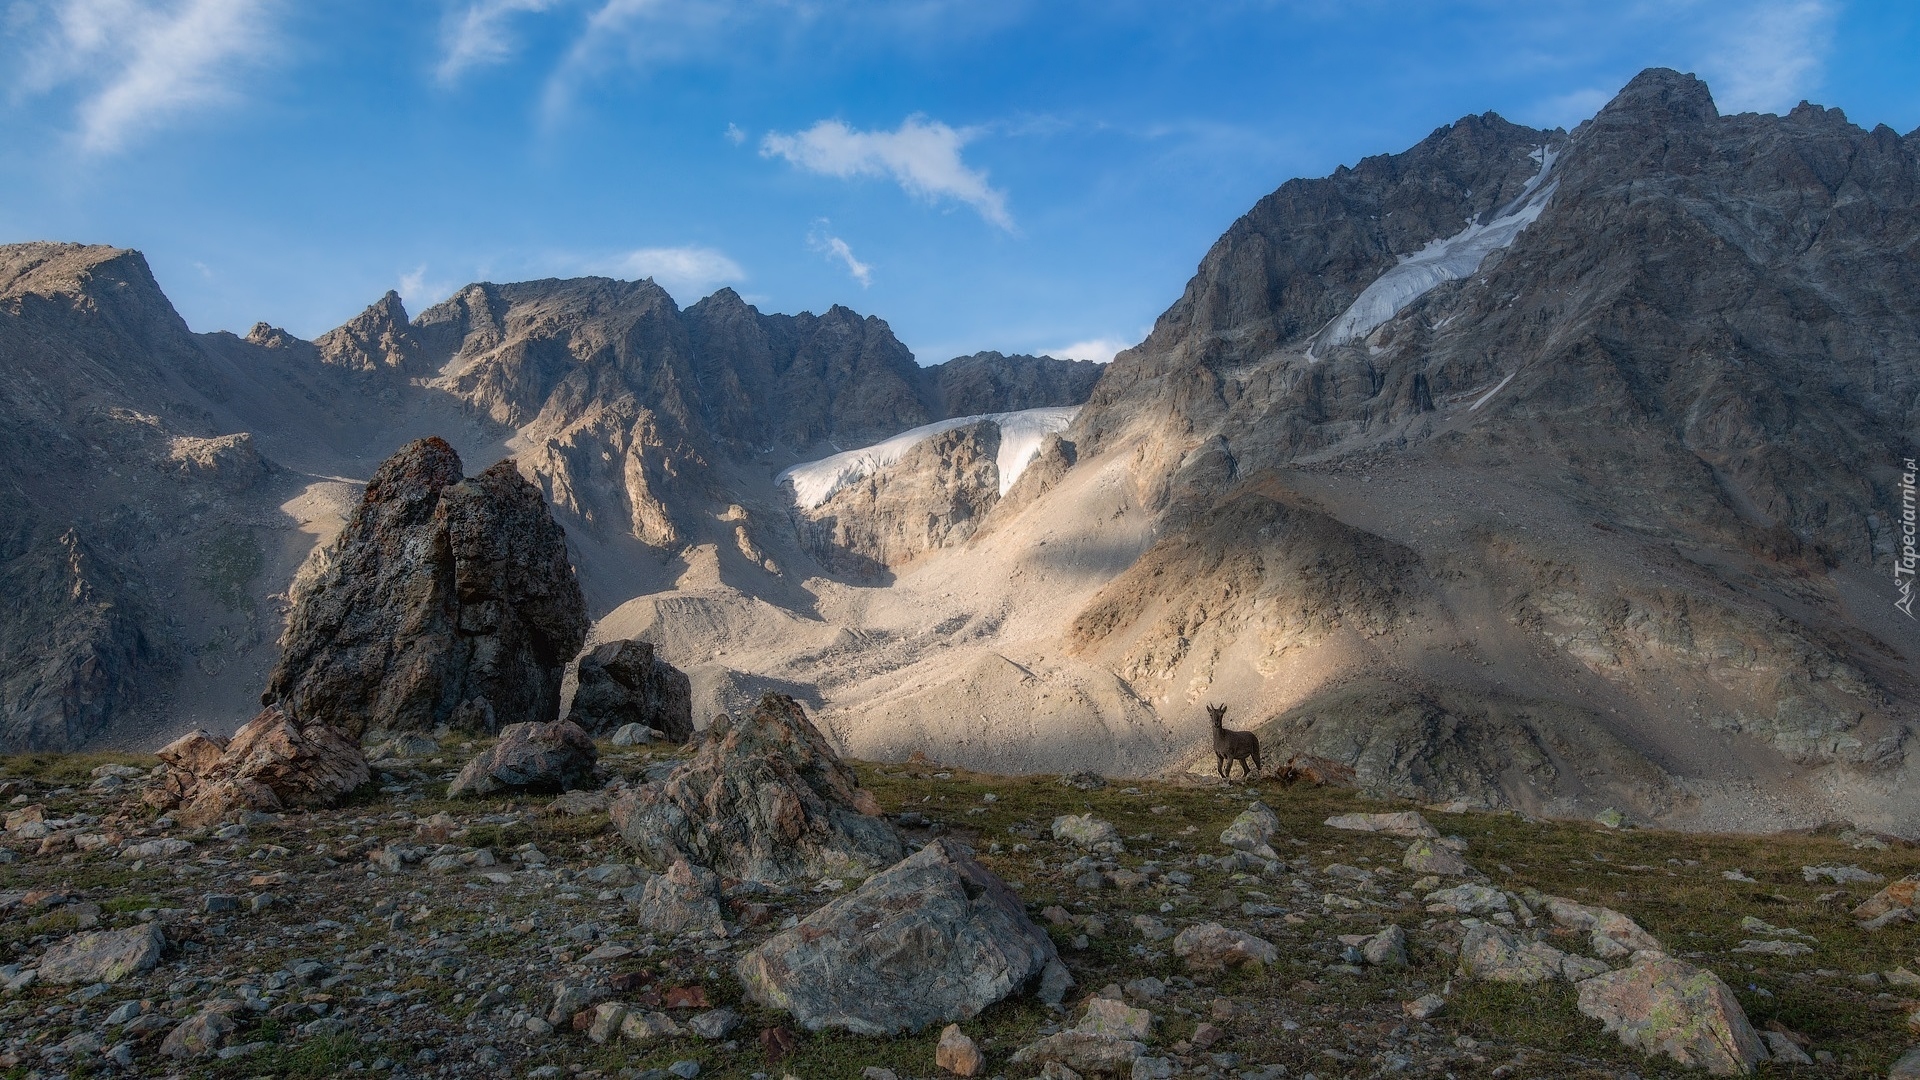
(1232, 746)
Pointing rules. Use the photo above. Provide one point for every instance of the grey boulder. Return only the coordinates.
(103, 956)
(531, 757)
(932, 940)
(623, 682)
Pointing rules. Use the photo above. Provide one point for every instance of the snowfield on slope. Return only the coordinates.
(1021, 433)
(1449, 258)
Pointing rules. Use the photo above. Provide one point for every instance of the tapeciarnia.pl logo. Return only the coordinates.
(1905, 563)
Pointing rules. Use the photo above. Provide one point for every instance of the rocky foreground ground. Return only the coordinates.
(1210, 930)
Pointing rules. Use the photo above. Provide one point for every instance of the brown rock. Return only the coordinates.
(763, 798)
(1900, 894)
(958, 1054)
(270, 764)
(1212, 947)
(195, 752)
(107, 956)
(198, 1035)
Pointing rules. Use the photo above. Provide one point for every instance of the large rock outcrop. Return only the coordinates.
(272, 763)
(934, 939)
(623, 682)
(763, 798)
(444, 600)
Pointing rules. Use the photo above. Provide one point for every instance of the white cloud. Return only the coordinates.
(692, 269)
(835, 248)
(1768, 58)
(419, 293)
(735, 135)
(142, 63)
(1098, 350)
(478, 33)
(921, 155)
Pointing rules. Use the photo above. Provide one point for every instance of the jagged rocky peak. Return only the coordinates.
(377, 339)
(444, 601)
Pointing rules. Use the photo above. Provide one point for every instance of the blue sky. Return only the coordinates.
(1023, 176)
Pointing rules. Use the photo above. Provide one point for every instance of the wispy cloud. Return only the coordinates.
(1768, 58)
(835, 248)
(1099, 350)
(690, 269)
(143, 63)
(735, 135)
(420, 293)
(921, 155)
(479, 33)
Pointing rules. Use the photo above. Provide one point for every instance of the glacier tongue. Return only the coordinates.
(1021, 434)
(1446, 259)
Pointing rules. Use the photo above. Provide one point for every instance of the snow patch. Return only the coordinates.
(1488, 396)
(1021, 433)
(1446, 259)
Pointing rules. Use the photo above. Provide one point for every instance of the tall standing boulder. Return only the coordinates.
(623, 682)
(763, 798)
(444, 600)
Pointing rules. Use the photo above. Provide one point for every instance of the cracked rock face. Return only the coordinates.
(444, 601)
(764, 798)
(936, 938)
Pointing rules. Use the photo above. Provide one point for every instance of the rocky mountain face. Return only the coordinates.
(174, 481)
(1606, 424)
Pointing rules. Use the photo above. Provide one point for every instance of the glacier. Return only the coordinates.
(1021, 433)
(1449, 258)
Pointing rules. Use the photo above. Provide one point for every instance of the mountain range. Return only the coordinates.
(1545, 469)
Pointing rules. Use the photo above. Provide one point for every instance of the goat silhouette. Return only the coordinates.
(1232, 746)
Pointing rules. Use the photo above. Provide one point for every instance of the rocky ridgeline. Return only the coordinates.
(931, 924)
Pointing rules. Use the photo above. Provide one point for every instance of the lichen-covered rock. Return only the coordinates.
(1388, 948)
(539, 758)
(762, 798)
(1252, 832)
(443, 601)
(1086, 831)
(1083, 1052)
(198, 1036)
(1428, 857)
(1900, 894)
(271, 763)
(1497, 954)
(1212, 947)
(623, 682)
(1407, 823)
(103, 956)
(1661, 1005)
(935, 938)
(1613, 935)
(686, 897)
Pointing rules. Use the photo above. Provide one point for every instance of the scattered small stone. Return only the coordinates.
(1840, 875)
(1213, 947)
(1406, 823)
(957, 1053)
